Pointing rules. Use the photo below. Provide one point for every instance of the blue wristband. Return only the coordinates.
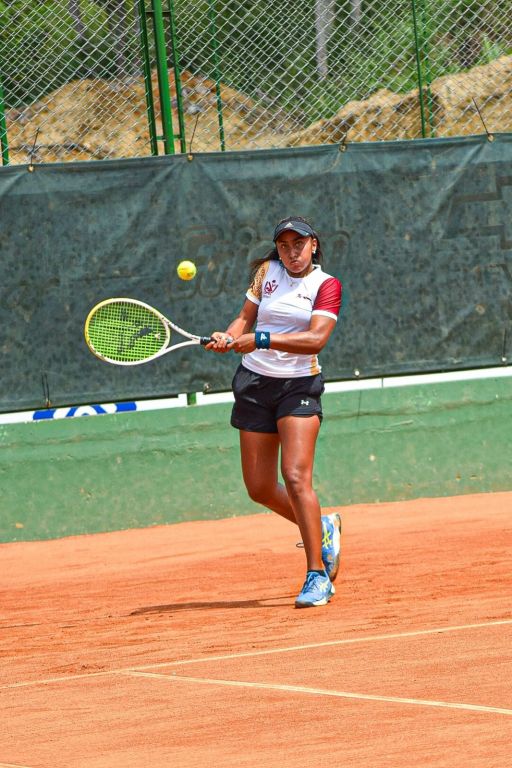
(262, 339)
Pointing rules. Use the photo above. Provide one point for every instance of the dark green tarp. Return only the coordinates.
(419, 232)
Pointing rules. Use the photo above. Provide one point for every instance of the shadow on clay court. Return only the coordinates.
(274, 602)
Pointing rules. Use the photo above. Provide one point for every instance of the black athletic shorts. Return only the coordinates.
(261, 400)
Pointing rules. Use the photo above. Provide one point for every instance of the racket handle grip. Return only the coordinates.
(204, 340)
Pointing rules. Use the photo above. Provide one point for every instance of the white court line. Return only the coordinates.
(325, 644)
(63, 679)
(267, 652)
(13, 765)
(323, 692)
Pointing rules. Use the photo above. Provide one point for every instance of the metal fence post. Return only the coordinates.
(146, 67)
(3, 129)
(422, 57)
(216, 68)
(177, 75)
(418, 68)
(426, 59)
(163, 77)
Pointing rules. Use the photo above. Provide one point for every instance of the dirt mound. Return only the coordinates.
(386, 115)
(94, 118)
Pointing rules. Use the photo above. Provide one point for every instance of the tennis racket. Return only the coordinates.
(130, 332)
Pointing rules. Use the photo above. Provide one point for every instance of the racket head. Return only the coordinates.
(126, 331)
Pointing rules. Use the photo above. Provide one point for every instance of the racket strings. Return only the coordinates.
(126, 332)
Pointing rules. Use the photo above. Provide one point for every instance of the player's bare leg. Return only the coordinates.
(298, 437)
(297, 501)
(260, 456)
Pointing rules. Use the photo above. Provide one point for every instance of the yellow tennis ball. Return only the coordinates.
(186, 270)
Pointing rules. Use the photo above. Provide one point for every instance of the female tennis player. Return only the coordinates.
(289, 313)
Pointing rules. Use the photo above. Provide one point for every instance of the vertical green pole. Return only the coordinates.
(217, 74)
(3, 129)
(163, 77)
(177, 75)
(418, 66)
(425, 35)
(146, 66)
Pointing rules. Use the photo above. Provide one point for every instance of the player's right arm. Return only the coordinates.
(243, 323)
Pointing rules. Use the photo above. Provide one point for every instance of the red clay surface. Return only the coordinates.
(180, 644)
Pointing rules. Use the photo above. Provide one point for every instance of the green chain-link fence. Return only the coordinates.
(119, 78)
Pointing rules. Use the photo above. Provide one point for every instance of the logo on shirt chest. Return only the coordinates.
(269, 287)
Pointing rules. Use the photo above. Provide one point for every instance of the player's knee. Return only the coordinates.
(296, 481)
(259, 492)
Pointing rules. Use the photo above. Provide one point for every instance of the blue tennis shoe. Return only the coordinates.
(317, 590)
(331, 543)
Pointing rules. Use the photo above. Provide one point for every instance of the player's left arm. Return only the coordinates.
(309, 342)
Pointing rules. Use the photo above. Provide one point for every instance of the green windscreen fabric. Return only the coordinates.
(419, 232)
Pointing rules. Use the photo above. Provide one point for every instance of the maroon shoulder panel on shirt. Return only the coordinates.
(328, 297)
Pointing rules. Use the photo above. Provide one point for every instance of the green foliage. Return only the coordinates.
(40, 49)
(265, 49)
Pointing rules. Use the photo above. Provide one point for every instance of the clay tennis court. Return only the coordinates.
(180, 645)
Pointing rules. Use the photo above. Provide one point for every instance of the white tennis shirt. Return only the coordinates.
(286, 305)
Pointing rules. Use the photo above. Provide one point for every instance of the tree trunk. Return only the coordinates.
(324, 20)
(76, 14)
(355, 11)
(118, 26)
